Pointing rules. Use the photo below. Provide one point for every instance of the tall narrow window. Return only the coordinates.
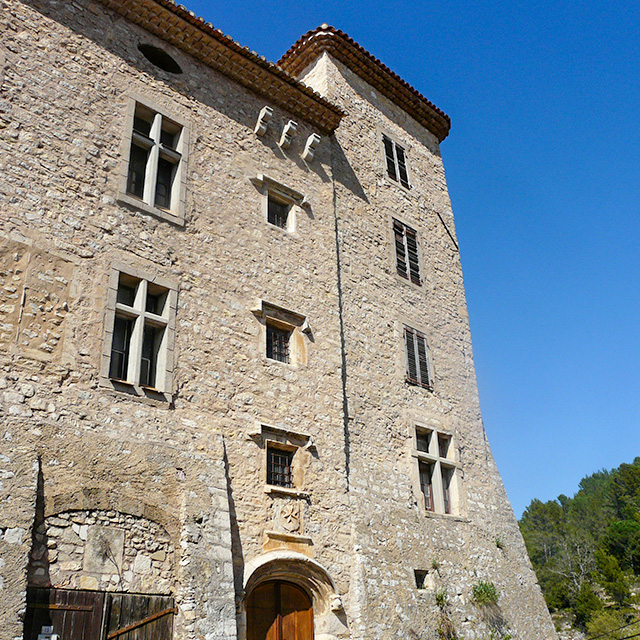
(278, 343)
(426, 484)
(395, 161)
(155, 167)
(417, 357)
(407, 260)
(143, 317)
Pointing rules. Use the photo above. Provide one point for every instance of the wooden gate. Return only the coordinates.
(95, 615)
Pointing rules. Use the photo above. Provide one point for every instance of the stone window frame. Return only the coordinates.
(296, 324)
(392, 218)
(176, 214)
(383, 133)
(271, 189)
(164, 390)
(266, 436)
(439, 462)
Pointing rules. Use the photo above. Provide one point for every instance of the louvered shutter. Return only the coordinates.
(402, 167)
(412, 367)
(425, 377)
(412, 254)
(391, 161)
(401, 254)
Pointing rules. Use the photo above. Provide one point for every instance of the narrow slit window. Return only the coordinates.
(426, 484)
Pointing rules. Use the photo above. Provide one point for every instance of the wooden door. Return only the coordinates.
(74, 615)
(279, 611)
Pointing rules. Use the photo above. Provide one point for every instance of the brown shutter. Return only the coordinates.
(409, 342)
(402, 167)
(401, 255)
(412, 254)
(425, 377)
(391, 162)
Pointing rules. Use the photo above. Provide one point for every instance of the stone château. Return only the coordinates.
(237, 391)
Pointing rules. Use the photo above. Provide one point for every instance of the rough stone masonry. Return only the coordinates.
(237, 390)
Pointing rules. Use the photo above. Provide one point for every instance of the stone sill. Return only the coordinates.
(285, 491)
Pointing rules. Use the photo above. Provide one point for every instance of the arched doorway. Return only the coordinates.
(278, 610)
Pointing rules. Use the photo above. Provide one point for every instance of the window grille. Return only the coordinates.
(396, 162)
(279, 467)
(407, 260)
(278, 343)
(417, 356)
(277, 212)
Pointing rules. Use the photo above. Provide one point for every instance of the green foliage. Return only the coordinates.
(485, 593)
(586, 549)
(611, 624)
(587, 602)
(441, 599)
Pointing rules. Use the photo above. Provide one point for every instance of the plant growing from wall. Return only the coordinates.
(446, 630)
(485, 593)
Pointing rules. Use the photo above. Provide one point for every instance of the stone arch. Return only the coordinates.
(309, 575)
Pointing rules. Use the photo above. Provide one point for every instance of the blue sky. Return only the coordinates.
(543, 166)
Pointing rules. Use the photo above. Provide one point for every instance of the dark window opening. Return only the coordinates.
(159, 58)
(423, 439)
(151, 341)
(277, 212)
(279, 467)
(120, 345)
(164, 182)
(443, 445)
(420, 576)
(426, 484)
(137, 171)
(278, 343)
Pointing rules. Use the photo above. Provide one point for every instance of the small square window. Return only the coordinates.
(278, 343)
(395, 161)
(277, 212)
(280, 467)
(420, 576)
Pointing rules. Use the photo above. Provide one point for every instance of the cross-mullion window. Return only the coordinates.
(138, 345)
(407, 259)
(396, 162)
(436, 470)
(154, 159)
(417, 358)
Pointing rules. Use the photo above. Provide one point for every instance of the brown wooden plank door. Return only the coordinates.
(279, 611)
(138, 617)
(74, 615)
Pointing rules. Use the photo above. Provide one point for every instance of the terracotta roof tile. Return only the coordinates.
(337, 43)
